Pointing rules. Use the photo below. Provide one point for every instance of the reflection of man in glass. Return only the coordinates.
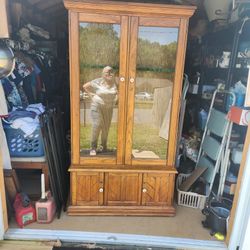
(103, 92)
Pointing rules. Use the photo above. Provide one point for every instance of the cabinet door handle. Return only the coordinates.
(131, 80)
(122, 79)
(144, 190)
(101, 190)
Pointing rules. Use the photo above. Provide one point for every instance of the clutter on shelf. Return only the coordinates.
(194, 188)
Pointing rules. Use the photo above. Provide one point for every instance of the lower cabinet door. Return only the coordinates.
(87, 188)
(157, 189)
(123, 189)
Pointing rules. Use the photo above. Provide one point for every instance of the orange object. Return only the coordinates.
(239, 115)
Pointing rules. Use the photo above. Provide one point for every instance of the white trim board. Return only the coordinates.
(112, 238)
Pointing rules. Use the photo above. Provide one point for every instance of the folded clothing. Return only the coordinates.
(26, 119)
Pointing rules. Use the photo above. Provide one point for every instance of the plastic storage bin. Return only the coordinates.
(189, 199)
(24, 146)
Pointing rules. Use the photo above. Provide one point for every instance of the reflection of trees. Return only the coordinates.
(156, 58)
(99, 46)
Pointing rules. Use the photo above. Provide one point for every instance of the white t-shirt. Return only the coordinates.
(104, 95)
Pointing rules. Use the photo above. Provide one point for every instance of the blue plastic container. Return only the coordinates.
(239, 102)
(202, 119)
(21, 146)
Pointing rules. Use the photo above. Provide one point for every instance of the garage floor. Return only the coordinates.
(186, 224)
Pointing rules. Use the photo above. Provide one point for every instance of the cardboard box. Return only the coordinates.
(239, 115)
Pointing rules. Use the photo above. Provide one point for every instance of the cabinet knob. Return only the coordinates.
(122, 79)
(101, 190)
(144, 190)
(131, 80)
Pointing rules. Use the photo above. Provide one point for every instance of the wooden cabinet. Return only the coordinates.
(125, 99)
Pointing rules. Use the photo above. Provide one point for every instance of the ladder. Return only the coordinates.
(214, 149)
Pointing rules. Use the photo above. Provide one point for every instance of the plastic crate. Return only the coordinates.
(189, 199)
(24, 146)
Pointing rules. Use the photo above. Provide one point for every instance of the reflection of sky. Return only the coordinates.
(161, 35)
(116, 27)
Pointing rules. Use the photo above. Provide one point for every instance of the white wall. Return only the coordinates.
(246, 241)
(241, 230)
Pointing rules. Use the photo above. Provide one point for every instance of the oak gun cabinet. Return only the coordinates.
(145, 45)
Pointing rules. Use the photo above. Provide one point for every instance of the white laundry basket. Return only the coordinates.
(189, 199)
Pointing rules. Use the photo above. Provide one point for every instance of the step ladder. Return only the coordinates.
(214, 149)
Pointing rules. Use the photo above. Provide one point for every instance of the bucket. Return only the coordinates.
(217, 9)
(217, 214)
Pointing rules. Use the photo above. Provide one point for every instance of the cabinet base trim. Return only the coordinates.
(126, 211)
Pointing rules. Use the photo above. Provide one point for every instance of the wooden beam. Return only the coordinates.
(3, 196)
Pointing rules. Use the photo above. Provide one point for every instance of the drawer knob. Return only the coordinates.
(101, 190)
(122, 79)
(144, 190)
(132, 80)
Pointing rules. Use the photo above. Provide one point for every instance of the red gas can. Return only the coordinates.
(25, 213)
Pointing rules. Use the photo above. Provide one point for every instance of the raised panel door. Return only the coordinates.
(88, 189)
(157, 189)
(123, 189)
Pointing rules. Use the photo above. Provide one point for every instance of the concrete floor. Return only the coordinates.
(25, 245)
(186, 224)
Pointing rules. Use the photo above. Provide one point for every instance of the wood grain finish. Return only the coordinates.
(129, 8)
(122, 210)
(131, 86)
(159, 22)
(74, 86)
(3, 196)
(122, 185)
(156, 190)
(98, 18)
(122, 189)
(124, 168)
(89, 188)
(122, 89)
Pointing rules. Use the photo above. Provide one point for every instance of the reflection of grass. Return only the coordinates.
(85, 135)
(145, 137)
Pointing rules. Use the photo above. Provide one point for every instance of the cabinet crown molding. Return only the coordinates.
(129, 8)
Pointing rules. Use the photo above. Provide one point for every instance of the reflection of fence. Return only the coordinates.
(141, 116)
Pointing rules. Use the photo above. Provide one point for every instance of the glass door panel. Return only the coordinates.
(99, 48)
(155, 68)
